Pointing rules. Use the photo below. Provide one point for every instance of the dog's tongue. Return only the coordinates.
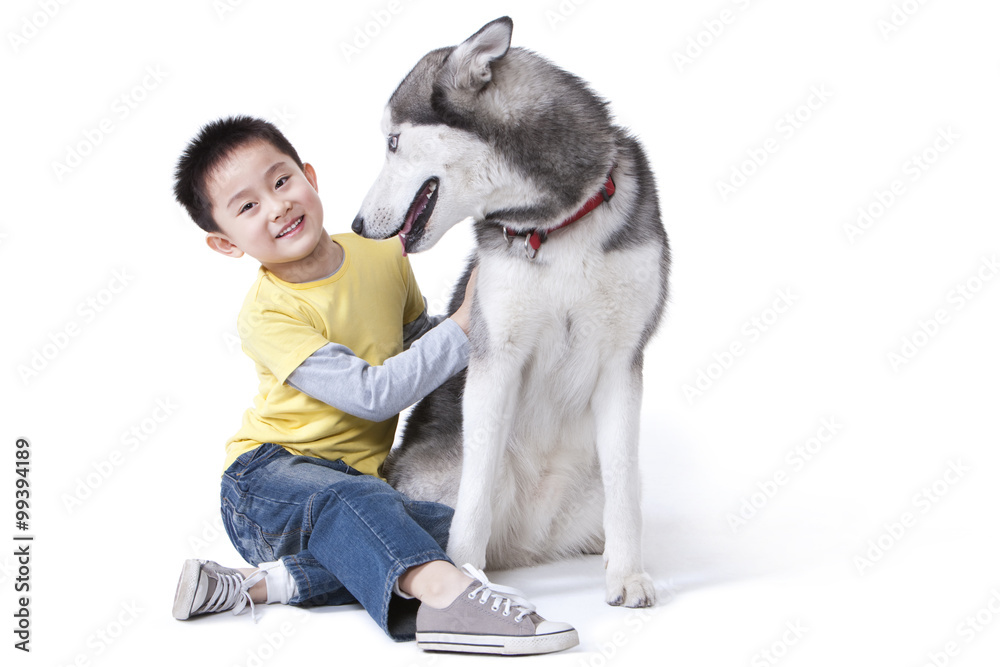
(404, 231)
(416, 208)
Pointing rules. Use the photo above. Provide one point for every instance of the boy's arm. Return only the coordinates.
(336, 376)
(418, 327)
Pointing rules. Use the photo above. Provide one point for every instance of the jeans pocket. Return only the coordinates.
(261, 455)
(249, 461)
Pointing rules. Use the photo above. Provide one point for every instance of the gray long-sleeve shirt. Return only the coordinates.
(435, 349)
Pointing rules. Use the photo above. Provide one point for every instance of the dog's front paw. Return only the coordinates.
(631, 590)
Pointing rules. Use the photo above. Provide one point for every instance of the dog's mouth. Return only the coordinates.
(418, 215)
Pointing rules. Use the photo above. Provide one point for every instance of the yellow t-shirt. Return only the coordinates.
(362, 306)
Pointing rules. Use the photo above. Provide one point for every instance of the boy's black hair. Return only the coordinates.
(214, 143)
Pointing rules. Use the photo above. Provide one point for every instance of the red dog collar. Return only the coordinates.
(536, 237)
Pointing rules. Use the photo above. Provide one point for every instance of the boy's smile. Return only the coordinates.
(268, 208)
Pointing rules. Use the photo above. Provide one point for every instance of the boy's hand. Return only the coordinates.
(461, 316)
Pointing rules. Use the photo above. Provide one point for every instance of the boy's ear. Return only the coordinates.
(310, 173)
(220, 243)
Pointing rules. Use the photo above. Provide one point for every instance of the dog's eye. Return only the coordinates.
(393, 142)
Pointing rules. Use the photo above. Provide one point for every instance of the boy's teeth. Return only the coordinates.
(293, 226)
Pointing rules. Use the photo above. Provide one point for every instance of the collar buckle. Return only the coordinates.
(533, 239)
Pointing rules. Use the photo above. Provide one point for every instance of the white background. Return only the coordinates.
(114, 517)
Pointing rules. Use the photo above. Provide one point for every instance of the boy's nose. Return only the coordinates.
(358, 226)
(279, 207)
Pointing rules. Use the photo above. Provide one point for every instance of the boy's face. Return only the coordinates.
(265, 205)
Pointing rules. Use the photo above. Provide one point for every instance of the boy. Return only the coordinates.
(328, 323)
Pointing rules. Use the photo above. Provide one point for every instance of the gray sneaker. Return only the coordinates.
(487, 618)
(206, 587)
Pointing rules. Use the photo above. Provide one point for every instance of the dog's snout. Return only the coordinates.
(358, 225)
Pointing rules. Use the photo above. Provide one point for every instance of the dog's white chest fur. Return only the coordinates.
(570, 308)
(554, 325)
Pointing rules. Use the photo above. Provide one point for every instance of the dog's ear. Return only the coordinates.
(469, 66)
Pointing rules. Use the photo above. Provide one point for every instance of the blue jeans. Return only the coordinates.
(345, 537)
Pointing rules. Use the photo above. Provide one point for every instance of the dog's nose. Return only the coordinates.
(358, 225)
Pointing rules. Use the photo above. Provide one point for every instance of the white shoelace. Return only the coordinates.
(504, 596)
(233, 590)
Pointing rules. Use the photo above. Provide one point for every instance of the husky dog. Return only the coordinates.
(535, 445)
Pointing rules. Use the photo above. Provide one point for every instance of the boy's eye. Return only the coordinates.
(281, 181)
(246, 207)
(393, 142)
